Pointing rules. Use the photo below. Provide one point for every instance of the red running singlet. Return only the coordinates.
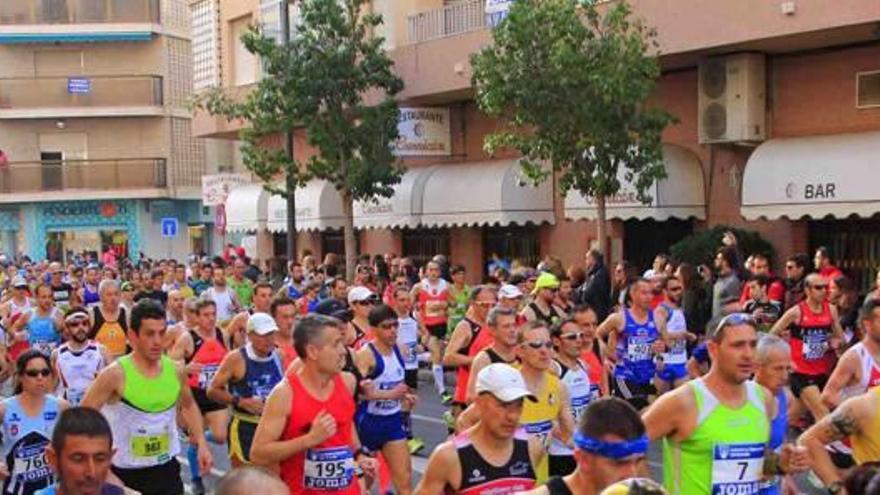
(810, 349)
(209, 353)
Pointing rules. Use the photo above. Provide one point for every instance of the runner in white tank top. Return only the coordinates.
(79, 360)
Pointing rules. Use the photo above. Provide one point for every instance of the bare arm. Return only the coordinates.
(840, 424)
(788, 318)
(663, 417)
(836, 328)
(565, 421)
(229, 370)
(481, 360)
(189, 410)
(611, 324)
(182, 347)
(469, 417)
(104, 388)
(268, 448)
(461, 337)
(843, 375)
(440, 472)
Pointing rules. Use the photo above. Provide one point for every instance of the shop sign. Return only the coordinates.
(105, 209)
(423, 132)
(624, 197)
(216, 187)
(381, 208)
(79, 85)
(811, 192)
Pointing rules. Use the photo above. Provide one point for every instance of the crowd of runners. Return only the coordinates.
(557, 380)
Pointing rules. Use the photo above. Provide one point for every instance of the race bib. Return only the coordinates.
(328, 469)
(151, 444)
(410, 356)
(815, 346)
(74, 396)
(540, 430)
(594, 391)
(578, 406)
(45, 348)
(677, 352)
(30, 463)
(206, 375)
(736, 468)
(385, 406)
(638, 350)
(435, 308)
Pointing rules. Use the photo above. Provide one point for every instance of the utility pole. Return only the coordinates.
(284, 12)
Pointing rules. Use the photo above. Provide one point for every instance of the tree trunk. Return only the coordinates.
(351, 249)
(602, 228)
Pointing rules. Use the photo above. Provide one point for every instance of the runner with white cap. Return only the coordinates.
(495, 455)
(78, 360)
(361, 300)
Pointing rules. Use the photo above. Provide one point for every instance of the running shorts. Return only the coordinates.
(375, 431)
(240, 438)
(205, 404)
(163, 479)
(633, 392)
(562, 465)
(437, 331)
(800, 381)
(672, 372)
(411, 378)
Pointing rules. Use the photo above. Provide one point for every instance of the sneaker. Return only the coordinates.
(446, 398)
(198, 486)
(415, 444)
(449, 419)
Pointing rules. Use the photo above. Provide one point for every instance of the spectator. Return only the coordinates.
(726, 291)
(776, 289)
(658, 267)
(759, 304)
(842, 293)
(694, 299)
(824, 266)
(596, 291)
(796, 269)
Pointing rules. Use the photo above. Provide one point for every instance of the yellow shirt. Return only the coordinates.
(866, 444)
(537, 419)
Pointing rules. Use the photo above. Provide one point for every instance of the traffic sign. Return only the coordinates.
(169, 227)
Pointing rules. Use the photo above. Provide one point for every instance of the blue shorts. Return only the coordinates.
(672, 372)
(375, 431)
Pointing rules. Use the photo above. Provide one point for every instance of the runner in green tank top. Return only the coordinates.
(715, 430)
(460, 293)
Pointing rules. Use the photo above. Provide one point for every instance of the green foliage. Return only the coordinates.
(571, 85)
(701, 247)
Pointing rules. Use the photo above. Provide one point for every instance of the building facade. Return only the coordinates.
(95, 129)
(790, 153)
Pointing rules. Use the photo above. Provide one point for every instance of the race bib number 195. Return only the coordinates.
(328, 469)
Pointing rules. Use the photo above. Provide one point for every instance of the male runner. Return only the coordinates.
(380, 420)
(361, 300)
(283, 310)
(501, 326)
(246, 377)
(408, 343)
(671, 322)
(174, 311)
(10, 311)
(858, 369)
(467, 340)
(89, 291)
(62, 291)
(241, 285)
(249, 480)
(153, 289)
(78, 360)
(225, 299)
(773, 367)
(142, 392)
(308, 421)
(816, 335)
(109, 321)
(610, 446)
(541, 307)
(633, 336)
(80, 455)
(460, 295)
(716, 429)
(494, 455)
(592, 350)
(432, 302)
(41, 326)
(261, 301)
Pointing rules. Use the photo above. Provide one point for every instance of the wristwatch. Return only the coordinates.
(835, 487)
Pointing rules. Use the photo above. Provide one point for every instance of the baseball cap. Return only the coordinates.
(508, 291)
(335, 308)
(359, 293)
(19, 282)
(545, 281)
(504, 382)
(261, 324)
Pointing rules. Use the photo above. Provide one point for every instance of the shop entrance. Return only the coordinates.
(421, 245)
(512, 243)
(64, 245)
(644, 239)
(854, 244)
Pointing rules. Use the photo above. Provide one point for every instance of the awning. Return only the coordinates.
(488, 193)
(815, 177)
(402, 210)
(318, 207)
(246, 208)
(680, 195)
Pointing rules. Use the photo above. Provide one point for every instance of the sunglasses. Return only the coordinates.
(538, 344)
(365, 303)
(820, 286)
(674, 289)
(736, 319)
(388, 325)
(484, 304)
(572, 336)
(44, 372)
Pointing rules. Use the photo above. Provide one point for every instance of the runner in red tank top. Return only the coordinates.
(318, 448)
(433, 299)
(816, 335)
(588, 321)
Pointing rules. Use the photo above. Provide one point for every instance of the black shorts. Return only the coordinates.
(800, 381)
(633, 392)
(411, 378)
(437, 331)
(240, 438)
(562, 465)
(205, 404)
(163, 479)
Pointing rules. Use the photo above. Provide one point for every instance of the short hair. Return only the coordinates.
(262, 285)
(812, 278)
(867, 311)
(824, 252)
(495, 312)
(800, 259)
(733, 319)
(729, 255)
(476, 291)
(582, 308)
(145, 309)
(528, 327)
(156, 273)
(457, 269)
(761, 279)
(279, 301)
(611, 416)
(106, 284)
(190, 304)
(768, 343)
(556, 329)
(245, 479)
(83, 422)
(43, 286)
(307, 330)
(381, 313)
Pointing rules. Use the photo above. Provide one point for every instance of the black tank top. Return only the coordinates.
(494, 357)
(478, 476)
(475, 330)
(100, 320)
(556, 486)
(547, 318)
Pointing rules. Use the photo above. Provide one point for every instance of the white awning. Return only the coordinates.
(246, 208)
(487, 193)
(680, 195)
(402, 210)
(817, 176)
(318, 207)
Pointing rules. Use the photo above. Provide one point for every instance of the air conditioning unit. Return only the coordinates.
(732, 99)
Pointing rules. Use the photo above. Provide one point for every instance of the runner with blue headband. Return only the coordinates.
(609, 446)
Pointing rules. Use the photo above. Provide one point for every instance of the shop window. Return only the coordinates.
(333, 241)
(512, 243)
(854, 244)
(421, 245)
(65, 246)
(644, 239)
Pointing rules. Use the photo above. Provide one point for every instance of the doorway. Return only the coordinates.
(644, 239)
(51, 170)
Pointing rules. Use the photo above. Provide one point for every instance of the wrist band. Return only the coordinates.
(613, 450)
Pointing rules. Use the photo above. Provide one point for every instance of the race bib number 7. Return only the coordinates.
(736, 468)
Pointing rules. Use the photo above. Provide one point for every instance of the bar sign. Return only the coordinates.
(79, 85)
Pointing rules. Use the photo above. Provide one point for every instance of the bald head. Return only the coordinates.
(249, 480)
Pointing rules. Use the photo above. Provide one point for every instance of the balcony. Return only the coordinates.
(450, 20)
(77, 20)
(81, 96)
(81, 177)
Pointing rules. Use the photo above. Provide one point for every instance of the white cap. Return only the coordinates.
(360, 293)
(504, 382)
(261, 324)
(19, 281)
(508, 291)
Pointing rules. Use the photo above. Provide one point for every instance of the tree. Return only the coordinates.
(333, 80)
(571, 84)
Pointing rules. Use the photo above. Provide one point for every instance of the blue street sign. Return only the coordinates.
(79, 85)
(169, 227)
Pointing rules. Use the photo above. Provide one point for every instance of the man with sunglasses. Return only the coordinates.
(433, 299)
(380, 422)
(815, 337)
(503, 332)
(568, 339)
(716, 429)
(671, 323)
(361, 300)
(408, 342)
(543, 296)
(78, 360)
(469, 338)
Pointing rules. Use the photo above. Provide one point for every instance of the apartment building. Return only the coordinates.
(96, 130)
(778, 105)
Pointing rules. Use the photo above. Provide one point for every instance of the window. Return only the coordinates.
(333, 241)
(244, 63)
(423, 244)
(512, 243)
(270, 17)
(868, 89)
(205, 41)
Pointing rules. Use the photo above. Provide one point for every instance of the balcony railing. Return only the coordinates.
(66, 175)
(80, 91)
(24, 12)
(450, 20)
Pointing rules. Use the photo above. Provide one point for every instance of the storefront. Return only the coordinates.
(9, 229)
